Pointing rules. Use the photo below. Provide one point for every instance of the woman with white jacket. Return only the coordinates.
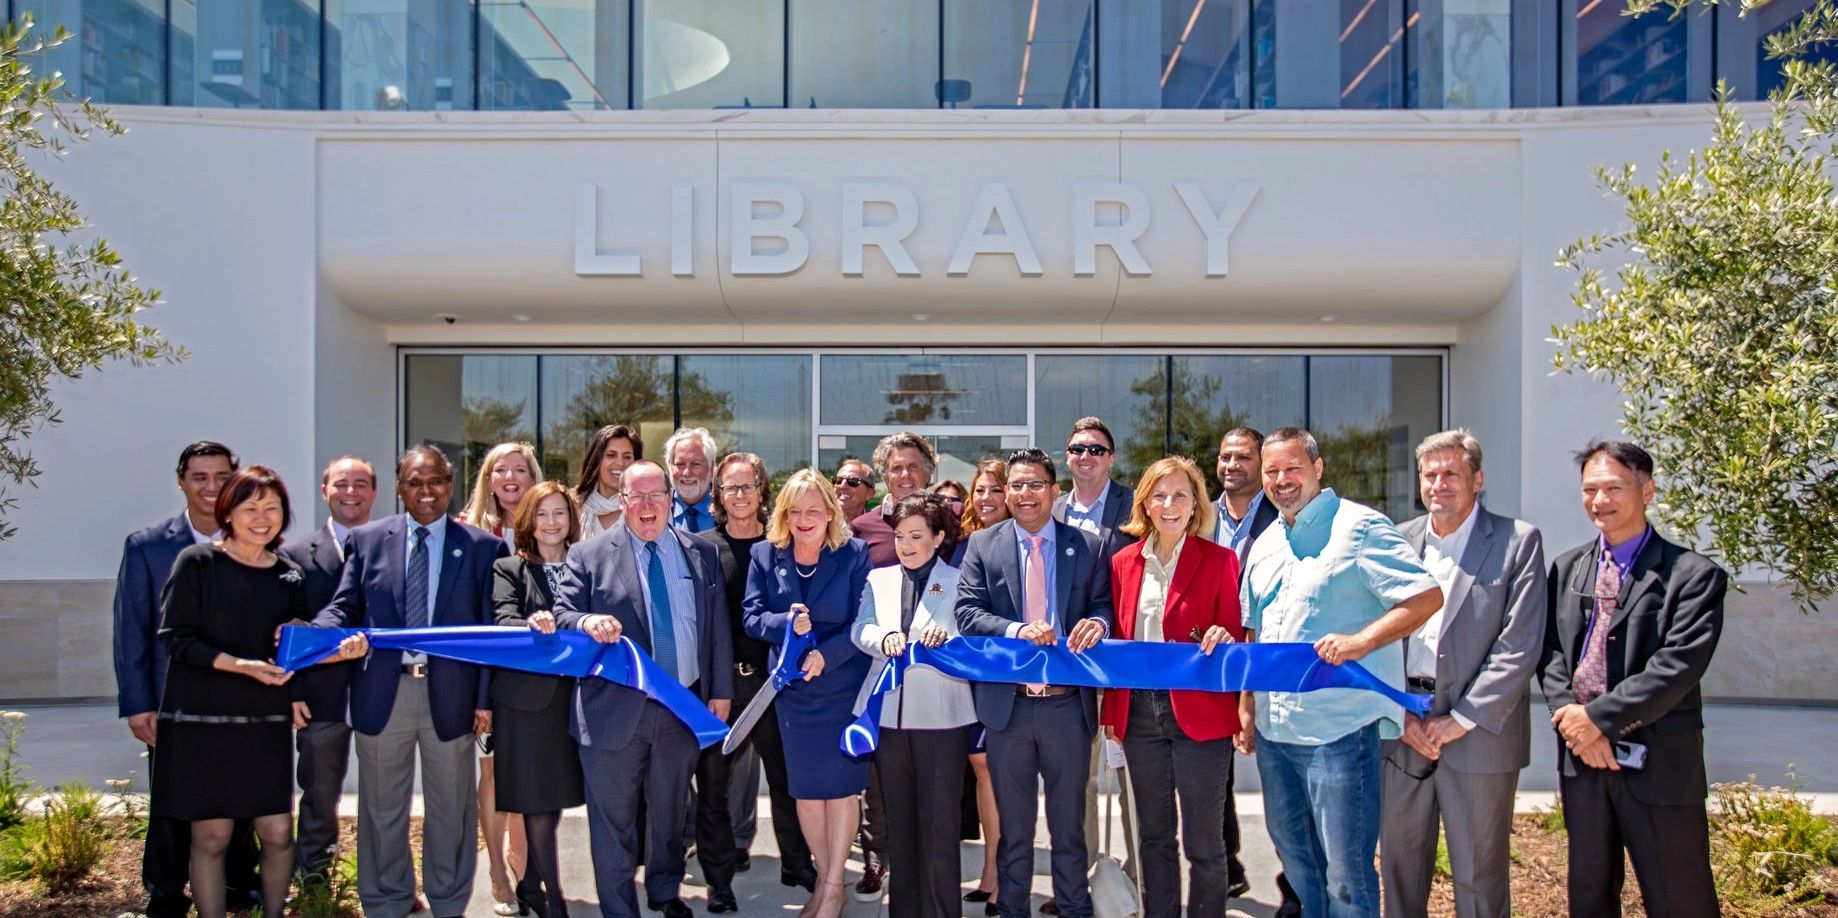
(928, 723)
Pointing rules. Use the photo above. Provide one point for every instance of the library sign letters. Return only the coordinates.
(767, 232)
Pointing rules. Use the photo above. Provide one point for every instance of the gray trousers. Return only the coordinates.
(385, 792)
(324, 749)
(1475, 810)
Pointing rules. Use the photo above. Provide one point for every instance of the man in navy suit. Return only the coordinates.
(140, 671)
(662, 587)
(1035, 578)
(323, 740)
(415, 570)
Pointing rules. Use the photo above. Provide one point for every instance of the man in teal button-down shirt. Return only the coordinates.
(1340, 576)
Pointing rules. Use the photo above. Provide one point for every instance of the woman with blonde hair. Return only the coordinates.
(810, 577)
(506, 474)
(1176, 586)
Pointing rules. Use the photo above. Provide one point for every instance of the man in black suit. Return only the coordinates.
(140, 672)
(661, 586)
(1634, 620)
(1243, 515)
(1035, 578)
(323, 740)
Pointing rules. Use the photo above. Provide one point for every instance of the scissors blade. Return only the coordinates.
(749, 716)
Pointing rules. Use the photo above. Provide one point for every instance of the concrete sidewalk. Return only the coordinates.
(87, 742)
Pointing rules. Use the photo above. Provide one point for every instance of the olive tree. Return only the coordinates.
(66, 304)
(1720, 325)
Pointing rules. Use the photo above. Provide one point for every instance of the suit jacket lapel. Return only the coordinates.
(1064, 539)
(625, 574)
(325, 551)
(1011, 553)
(700, 578)
(932, 599)
(1641, 578)
(451, 544)
(1416, 532)
(178, 532)
(1481, 544)
(395, 553)
(1117, 506)
(826, 569)
(1129, 589)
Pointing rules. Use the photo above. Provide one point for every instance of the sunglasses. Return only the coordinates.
(851, 481)
(1080, 449)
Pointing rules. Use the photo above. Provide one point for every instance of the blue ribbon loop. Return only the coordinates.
(1281, 667)
(564, 653)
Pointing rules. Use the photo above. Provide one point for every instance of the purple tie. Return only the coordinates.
(1592, 670)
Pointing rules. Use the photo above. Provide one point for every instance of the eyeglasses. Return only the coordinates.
(1080, 449)
(745, 490)
(653, 497)
(1399, 761)
(851, 481)
(1033, 486)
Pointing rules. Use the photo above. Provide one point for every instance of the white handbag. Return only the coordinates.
(1112, 893)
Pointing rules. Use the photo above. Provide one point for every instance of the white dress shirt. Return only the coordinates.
(1442, 555)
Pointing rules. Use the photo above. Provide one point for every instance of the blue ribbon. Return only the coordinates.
(564, 653)
(1279, 667)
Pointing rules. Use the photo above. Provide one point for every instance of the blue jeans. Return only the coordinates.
(1321, 806)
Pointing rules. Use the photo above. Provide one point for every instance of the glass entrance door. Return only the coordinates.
(969, 406)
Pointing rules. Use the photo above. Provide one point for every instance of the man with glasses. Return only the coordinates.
(854, 483)
(1634, 619)
(1339, 576)
(1037, 733)
(1096, 504)
(662, 587)
(1475, 655)
(416, 570)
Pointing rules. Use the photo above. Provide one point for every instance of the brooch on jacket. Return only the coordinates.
(292, 575)
(936, 590)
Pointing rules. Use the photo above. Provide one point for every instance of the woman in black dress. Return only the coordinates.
(538, 773)
(224, 742)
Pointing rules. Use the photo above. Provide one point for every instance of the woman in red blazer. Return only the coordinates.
(1176, 585)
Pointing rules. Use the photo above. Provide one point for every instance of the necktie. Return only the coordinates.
(1034, 599)
(1592, 670)
(663, 627)
(416, 615)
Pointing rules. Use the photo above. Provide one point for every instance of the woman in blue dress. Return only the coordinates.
(809, 577)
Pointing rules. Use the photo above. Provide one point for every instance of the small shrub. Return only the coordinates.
(333, 895)
(129, 807)
(16, 847)
(1443, 869)
(15, 790)
(1552, 820)
(1768, 847)
(76, 837)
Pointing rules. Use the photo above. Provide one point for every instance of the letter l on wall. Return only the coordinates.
(589, 261)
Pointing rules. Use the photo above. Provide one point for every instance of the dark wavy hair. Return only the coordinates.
(935, 509)
(596, 451)
(249, 484)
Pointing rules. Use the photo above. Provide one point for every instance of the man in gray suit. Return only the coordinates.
(1037, 579)
(1476, 655)
(661, 587)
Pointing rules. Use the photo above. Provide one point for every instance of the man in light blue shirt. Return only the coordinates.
(1341, 577)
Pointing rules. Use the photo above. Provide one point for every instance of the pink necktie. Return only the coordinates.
(1034, 600)
(1591, 679)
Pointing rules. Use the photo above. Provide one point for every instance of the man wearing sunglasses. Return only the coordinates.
(1459, 766)
(1096, 504)
(854, 483)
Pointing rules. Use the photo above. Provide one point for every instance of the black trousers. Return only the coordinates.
(1165, 765)
(1669, 845)
(922, 780)
(715, 849)
(165, 863)
(871, 837)
(323, 755)
(794, 852)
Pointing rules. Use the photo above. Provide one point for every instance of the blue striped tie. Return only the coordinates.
(416, 615)
(663, 627)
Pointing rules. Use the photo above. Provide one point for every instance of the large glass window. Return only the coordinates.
(968, 390)
(401, 54)
(752, 403)
(1368, 414)
(117, 48)
(1129, 392)
(1768, 20)
(466, 405)
(1623, 60)
(553, 54)
(1019, 53)
(1214, 54)
(1215, 394)
(260, 54)
(581, 394)
(865, 54)
(1460, 53)
(1371, 65)
(712, 53)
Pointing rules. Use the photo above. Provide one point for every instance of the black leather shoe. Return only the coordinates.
(721, 901)
(1291, 906)
(978, 895)
(743, 862)
(673, 908)
(1237, 888)
(991, 910)
(1049, 907)
(806, 878)
(868, 889)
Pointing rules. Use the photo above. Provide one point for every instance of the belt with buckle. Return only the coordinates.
(1421, 685)
(746, 669)
(415, 670)
(1050, 691)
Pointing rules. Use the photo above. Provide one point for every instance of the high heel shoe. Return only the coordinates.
(835, 900)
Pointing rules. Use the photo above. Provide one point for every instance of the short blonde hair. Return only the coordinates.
(801, 482)
(1202, 523)
(482, 510)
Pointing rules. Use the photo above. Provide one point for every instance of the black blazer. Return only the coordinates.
(1664, 631)
(989, 599)
(519, 590)
(325, 689)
